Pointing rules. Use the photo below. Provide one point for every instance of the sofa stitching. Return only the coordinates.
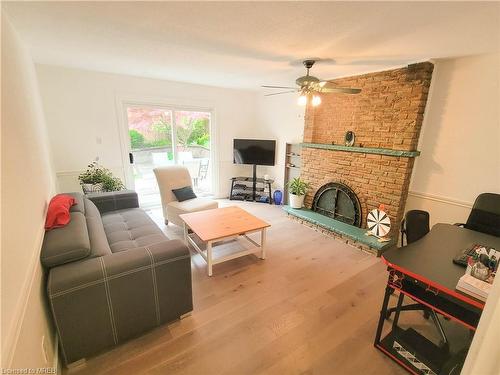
(128, 248)
(75, 288)
(110, 303)
(58, 329)
(66, 253)
(155, 285)
(118, 275)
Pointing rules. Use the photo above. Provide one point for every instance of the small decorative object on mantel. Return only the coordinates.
(349, 138)
(379, 224)
(98, 179)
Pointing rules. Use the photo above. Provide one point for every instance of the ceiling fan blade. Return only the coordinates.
(328, 86)
(278, 87)
(340, 90)
(282, 92)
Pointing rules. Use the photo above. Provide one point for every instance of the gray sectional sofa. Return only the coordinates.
(112, 274)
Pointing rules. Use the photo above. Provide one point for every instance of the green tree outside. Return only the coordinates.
(136, 139)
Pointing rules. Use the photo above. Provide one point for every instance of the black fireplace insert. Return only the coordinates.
(338, 201)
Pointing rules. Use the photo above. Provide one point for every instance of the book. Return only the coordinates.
(474, 287)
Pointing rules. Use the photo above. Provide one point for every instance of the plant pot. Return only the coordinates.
(296, 201)
(92, 188)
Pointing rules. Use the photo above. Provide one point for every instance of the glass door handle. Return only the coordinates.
(131, 158)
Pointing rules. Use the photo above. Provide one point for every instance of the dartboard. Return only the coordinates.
(378, 222)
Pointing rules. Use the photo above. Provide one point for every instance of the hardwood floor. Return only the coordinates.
(310, 308)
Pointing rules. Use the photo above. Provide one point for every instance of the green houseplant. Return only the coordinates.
(297, 191)
(97, 178)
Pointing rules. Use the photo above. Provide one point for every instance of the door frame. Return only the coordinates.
(171, 104)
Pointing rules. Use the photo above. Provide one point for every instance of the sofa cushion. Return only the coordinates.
(193, 205)
(98, 241)
(79, 206)
(114, 200)
(67, 244)
(130, 228)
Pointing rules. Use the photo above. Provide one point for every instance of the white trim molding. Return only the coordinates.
(67, 181)
(441, 209)
(440, 199)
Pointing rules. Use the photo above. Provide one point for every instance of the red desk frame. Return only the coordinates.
(394, 282)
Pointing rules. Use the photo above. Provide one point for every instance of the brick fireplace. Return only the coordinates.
(386, 118)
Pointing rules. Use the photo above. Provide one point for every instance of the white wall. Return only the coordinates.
(460, 159)
(460, 138)
(81, 106)
(279, 117)
(483, 358)
(26, 187)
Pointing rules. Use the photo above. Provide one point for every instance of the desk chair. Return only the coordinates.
(485, 215)
(414, 226)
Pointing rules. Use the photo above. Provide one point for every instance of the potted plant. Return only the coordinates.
(97, 179)
(297, 192)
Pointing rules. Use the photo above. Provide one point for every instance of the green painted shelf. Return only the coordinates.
(357, 234)
(365, 150)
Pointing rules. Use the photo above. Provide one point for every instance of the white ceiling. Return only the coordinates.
(246, 44)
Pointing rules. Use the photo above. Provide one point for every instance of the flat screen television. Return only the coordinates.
(254, 151)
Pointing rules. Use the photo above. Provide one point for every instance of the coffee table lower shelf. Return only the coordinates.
(207, 255)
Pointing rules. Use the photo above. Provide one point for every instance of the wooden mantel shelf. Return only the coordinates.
(364, 150)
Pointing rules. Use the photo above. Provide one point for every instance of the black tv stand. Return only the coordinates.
(247, 189)
(254, 180)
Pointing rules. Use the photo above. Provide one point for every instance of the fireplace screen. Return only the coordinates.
(339, 202)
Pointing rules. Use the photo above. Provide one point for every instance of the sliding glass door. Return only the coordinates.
(168, 136)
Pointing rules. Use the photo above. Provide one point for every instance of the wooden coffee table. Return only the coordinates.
(222, 224)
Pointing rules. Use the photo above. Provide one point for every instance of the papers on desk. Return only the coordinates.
(474, 287)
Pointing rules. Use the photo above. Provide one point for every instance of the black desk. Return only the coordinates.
(424, 271)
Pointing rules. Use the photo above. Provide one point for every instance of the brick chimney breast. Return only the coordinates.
(388, 113)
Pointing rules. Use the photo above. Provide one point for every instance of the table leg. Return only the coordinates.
(263, 243)
(209, 258)
(383, 311)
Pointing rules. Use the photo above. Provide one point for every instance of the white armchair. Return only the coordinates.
(176, 177)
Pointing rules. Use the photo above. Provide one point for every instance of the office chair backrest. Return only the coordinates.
(485, 214)
(415, 225)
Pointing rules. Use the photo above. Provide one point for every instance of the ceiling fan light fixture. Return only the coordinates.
(302, 100)
(309, 85)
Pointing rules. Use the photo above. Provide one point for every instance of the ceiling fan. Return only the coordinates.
(309, 86)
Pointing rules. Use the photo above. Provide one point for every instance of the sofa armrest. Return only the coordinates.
(114, 200)
(100, 302)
